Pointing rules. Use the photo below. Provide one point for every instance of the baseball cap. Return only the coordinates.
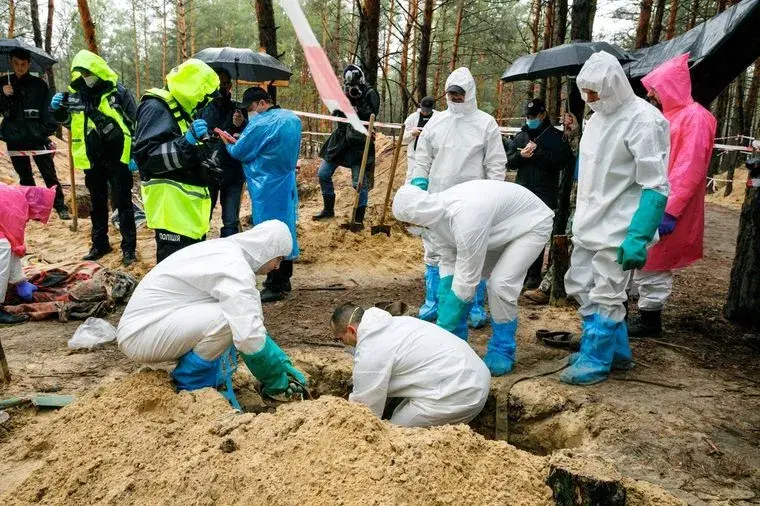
(255, 94)
(534, 107)
(455, 89)
(427, 104)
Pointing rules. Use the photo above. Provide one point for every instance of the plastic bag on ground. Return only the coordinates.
(92, 332)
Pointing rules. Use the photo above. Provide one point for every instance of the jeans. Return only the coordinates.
(23, 167)
(97, 179)
(230, 194)
(326, 171)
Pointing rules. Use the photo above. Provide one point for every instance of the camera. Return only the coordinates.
(353, 91)
(72, 101)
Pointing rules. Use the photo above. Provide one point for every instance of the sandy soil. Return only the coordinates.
(686, 418)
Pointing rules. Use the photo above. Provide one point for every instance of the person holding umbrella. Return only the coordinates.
(28, 124)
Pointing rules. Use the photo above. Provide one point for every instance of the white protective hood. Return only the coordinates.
(603, 74)
(462, 77)
(416, 206)
(262, 243)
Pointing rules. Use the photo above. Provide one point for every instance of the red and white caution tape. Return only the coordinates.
(343, 120)
(32, 152)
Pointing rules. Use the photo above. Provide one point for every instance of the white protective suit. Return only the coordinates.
(459, 144)
(203, 298)
(488, 229)
(410, 123)
(624, 150)
(11, 271)
(441, 379)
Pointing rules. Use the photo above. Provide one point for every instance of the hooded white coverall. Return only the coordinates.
(624, 150)
(488, 229)
(11, 271)
(203, 298)
(459, 144)
(440, 377)
(410, 123)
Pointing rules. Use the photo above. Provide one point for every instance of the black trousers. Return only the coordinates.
(23, 167)
(278, 280)
(97, 179)
(169, 242)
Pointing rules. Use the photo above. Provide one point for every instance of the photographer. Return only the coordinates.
(346, 146)
(174, 162)
(28, 124)
(226, 115)
(101, 114)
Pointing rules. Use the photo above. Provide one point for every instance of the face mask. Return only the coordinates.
(91, 81)
(533, 123)
(251, 114)
(601, 106)
(457, 109)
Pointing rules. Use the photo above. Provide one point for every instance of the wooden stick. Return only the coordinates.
(665, 343)
(4, 365)
(393, 174)
(74, 208)
(365, 156)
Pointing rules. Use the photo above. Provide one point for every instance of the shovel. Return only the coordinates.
(352, 225)
(382, 228)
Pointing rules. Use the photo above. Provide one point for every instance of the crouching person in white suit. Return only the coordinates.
(439, 378)
(201, 304)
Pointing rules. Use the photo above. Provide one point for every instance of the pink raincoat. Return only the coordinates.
(692, 133)
(18, 205)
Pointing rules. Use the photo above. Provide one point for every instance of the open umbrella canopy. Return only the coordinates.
(566, 59)
(244, 64)
(41, 61)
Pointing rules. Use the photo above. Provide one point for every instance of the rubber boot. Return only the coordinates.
(429, 310)
(194, 372)
(500, 357)
(478, 316)
(328, 210)
(622, 359)
(594, 361)
(648, 324)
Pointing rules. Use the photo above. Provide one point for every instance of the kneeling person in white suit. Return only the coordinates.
(439, 377)
(201, 304)
(492, 230)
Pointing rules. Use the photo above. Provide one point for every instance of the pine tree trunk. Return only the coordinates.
(442, 36)
(554, 105)
(414, 43)
(671, 31)
(548, 39)
(267, 33)
(146, 48)
(387, 56)
(535, 23)
(582, 24)
(424, 49)
(404, 70)
(642, 28)
(48, 47)
(750, 109)
(88, 27)
(191, 15)
(659, 14)
(181, 32)
(11, 18)
(164, 40)
(457, 34)
(369, 39)
(693, 11)
(34, 11)
(338, 38)
(136, 47)
(738, 128)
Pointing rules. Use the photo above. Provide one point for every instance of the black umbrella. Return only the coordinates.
(566, 59)
(244, 64)
(41, 61)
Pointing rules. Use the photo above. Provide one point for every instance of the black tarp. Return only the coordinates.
(720, 49)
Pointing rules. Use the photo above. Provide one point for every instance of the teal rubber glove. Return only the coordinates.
(451, 311)
(420, 182)
(632, 254)
(197, 131)
(57, 101)
(271, 366)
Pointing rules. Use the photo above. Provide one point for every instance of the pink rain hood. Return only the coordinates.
(18, 205)
(692, 133)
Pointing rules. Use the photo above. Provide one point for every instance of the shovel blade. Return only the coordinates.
(381, 229)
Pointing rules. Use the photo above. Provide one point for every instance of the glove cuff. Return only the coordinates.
(420, 182)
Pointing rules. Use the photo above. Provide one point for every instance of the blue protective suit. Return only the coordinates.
(269, 148)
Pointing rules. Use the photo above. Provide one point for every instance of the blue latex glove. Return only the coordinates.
(200, 127)
(420, 182)
(272, 368)
(451, 311)
(632, 254)
(667, 225)
(57, 101)
(25, 290)
(132, 165)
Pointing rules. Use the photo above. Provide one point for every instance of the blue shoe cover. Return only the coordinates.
(622, 359)
(478, 316)
(429, 310)
(500, 357)
(593, 363)
(193, 372)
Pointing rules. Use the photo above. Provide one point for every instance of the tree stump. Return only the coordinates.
(582, 482)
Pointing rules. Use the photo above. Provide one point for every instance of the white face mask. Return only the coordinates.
(91, 81)
(457, 109)
(601, 106)
(251, 114)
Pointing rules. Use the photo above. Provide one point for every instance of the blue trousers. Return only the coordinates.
(229, 194)
(326, 171)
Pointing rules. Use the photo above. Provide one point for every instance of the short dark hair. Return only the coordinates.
(255, 94)
(21, 54)
(346, 314)
(220, 70)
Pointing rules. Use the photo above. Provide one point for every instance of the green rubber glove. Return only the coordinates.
(271, 366)
(632, 254)
(420, 182)
(451, 308)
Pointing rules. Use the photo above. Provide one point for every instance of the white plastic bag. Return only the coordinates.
(92, 332)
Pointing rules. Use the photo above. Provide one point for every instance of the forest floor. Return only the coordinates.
(685, 419)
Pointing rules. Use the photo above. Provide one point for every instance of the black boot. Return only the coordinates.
(11, 319)
(647, 324)
(128, 258)
(97, 253)
(360, 214)
(329, 208)
(269, 295)
(63, 213)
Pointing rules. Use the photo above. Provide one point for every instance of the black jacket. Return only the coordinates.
(218, 114)
(28, 122)
(100, 146)
(160, 149)
(541, 172)
(346, 146)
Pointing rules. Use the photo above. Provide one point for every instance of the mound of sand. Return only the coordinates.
(736, 198)
(137, 441)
